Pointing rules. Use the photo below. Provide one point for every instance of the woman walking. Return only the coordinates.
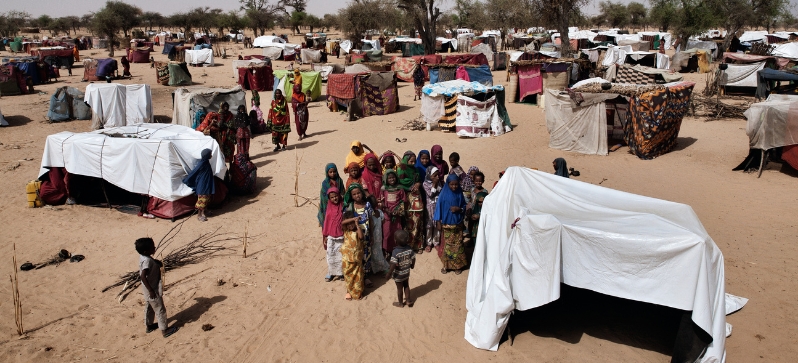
(279, 121)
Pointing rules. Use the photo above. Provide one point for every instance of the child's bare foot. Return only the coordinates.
(348, 297)
(444, 271)
(168, 332)
(202, 218)
(398, 304)
(457, 272)
(429, 249)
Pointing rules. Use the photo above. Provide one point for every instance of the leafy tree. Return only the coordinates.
(559, 14)
(615, 14)
(361, 16)
(637, 14)
(115, 16)
(260, 14)
(504, 14)
(298, 5)
(296, 20)
(11, 21)
(150, 19)
(58, 26)
(43, 21)
(312, 22)
(662, 13)
(328, 22)
(470, 14)
(735, 15)
(425, 15)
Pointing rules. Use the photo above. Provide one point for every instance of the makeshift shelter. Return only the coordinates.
(310, 56)
(692, 60)
(316, 41)
(326, 69)
(138, 55)
(311, 81)
(470, 109)
(473, 73)
(787, 51)
(200, 57)
(406, 66)
(772, 125)
(173, 74)
(67, 103)
(188, 100)
(544, 230)
(258, 77)
(655, 38)
(169, 48)
(106, 67)
(12, 81)
(529, 77)
(117, 105)
(246, 63)
(267, 41)
(445, 45)
(363, 94)
(769, 80)
(63, 54)
(639, 74)
(37, 70)
(146, 159)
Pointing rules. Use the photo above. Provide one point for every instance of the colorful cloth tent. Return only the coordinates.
(363, 94)
(311, 81)
(258, 76)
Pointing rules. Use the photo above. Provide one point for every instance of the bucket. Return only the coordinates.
(32, 189)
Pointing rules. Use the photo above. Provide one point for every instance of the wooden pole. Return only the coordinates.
(15, 294)
(245, 239)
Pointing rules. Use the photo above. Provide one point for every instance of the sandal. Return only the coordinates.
(420, 251)
(168, 332)
(444, 271)
(328, 278)
(410, 303)
(398, 304)
(276, 148)
(152, 328)
(202, 218)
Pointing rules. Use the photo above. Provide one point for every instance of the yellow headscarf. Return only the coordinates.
(356, 158)
(297, 77)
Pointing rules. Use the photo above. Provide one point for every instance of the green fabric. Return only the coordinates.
(411, 49)
(9, 88)
(178, 77)
(374, 55)
(310, 81)
(503, 110)
(16, 47)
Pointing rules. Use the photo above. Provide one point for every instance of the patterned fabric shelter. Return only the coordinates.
(363, 94)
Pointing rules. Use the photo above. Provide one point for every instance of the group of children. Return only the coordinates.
(390, 209)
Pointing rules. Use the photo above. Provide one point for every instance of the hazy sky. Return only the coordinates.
(57, 8)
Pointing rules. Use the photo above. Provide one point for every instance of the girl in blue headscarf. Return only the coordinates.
(422, 162)
(200, 179)
(331, 179)
(449, 214)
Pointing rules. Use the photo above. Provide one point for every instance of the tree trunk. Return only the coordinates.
(111, 40)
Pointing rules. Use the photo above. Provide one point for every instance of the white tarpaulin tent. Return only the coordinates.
(187, 101)
(310, 56)
(581, 129)
(773, 123)
(741, 75)
(267, 41)
(245, 64)
(663, 37)
(370, 44)
(590, 237)
(149, 159)
(201, 56)
(787, 50)
(115, 105)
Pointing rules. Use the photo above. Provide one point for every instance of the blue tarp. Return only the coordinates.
(480, 74)
(169, 46)
(106, 67)
(31, 69)
(768, 75)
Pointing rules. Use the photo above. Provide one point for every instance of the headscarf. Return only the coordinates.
(443, 166)
(242, 119)
(477, 208)
(390, 188)
(386, 155)
(297, 96)
(348, 201)
(279, 106)
(349, 180)
(359, 159)
(200, 179)
(561, 168)
(334, 215)
(199, 116)
(422, 170)
(466, 182)
(372, 178)
(255, 98)
(447, 199)
(418, 76)
(428, 178)
(326, 184)
(297, 77)
(406, 172)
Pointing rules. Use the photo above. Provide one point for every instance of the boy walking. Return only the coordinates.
(151, 286)
(402, 260)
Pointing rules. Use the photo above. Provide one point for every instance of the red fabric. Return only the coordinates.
(341, 85)
(165, 209)
(788, 154)
(256, 78)
(138, 56)
(462, 74)
(530, 81)
(358, 58)
(473, 59)
(371, 180)
(54, 190)
(404, 68)
(428, 59)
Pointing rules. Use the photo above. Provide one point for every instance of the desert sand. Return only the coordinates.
(275, 306)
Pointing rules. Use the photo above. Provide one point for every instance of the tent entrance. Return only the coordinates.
(580, 312)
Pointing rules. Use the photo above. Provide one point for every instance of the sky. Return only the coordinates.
(56, 8)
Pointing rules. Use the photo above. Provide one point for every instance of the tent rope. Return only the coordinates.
(152, 170)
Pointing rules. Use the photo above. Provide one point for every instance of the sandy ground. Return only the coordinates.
(281, 309)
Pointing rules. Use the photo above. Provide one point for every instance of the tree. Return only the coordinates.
(296, 20)
(115, 16)
(637, 14)
(150, 19)
(469, 14)
(58, 26)
(734, 15)
(298, 5)
(662, 13)
(233, 22)
(73, 22)
(358, 17)
(425, 15)
(43, 21)
(615, 14)
(559, 14)
(312, 22)
(260, 14)
(504, 14)
(328, 22)
(11, 21)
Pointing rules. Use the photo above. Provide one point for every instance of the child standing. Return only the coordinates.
(352, 253)
(201, 180)
(151, 286)
(333, 234)
(402, 260)
(393, 203)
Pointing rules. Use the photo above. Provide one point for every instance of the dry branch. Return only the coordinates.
(713, 108)
(416, 124)
(15, 294)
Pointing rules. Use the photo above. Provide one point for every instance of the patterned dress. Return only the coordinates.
(364, 223)
(415, 221)
(352, 264)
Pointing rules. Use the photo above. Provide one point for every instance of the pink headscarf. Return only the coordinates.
(371, 180)
(334, 216)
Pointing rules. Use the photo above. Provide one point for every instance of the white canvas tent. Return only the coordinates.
(741, 75)
(586, 236)
(187, 100)
(115, 105)
(310, 56)
(772, 123)
(202, 57)
(267, 41)
(149, 159)
(582, 128)
(787, 50)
